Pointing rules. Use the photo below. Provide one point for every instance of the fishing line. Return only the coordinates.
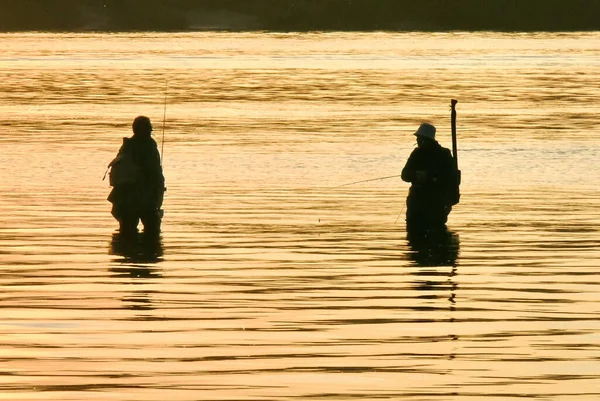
(372, 179)
(369, 180)
(401, 210)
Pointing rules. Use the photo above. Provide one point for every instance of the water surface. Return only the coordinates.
(267, 283)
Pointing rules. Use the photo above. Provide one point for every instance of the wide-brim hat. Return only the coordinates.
(426, 130)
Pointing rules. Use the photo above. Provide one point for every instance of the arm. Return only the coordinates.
(156, 173)
(156, 179)
(152, 183)
(415, 171)
(409, 171)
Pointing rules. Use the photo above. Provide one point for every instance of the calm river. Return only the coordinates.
(267, 283)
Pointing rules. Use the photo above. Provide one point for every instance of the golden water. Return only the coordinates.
(268, 284)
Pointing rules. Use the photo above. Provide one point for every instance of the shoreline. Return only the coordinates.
(299, 15)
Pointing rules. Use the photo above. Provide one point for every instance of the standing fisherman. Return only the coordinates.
(432, 171)
(138, 183)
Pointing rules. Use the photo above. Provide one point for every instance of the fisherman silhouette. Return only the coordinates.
(137, 179)
(433, 176)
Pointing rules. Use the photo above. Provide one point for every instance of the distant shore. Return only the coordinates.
(299, 15)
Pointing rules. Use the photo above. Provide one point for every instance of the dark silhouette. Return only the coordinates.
(138, 182)
(432, 172)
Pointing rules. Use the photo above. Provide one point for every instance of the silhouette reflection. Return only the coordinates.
(429, 250)
(136, 251)
(433, 247)
(138, 254)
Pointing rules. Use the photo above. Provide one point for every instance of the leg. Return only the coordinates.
(416, 215)
(423, 214)
(128, 224)
(127, 218)
(438, 216)
(151, 219)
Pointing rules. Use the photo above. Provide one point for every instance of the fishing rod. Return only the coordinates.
(372, 179)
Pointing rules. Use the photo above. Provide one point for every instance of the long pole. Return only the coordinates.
(453, 123)
(455, 150)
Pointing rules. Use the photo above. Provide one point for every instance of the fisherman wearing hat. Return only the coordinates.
(430, 170)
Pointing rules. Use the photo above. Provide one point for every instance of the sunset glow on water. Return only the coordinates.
(270, 280)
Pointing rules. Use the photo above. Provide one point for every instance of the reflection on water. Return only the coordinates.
(136, 248)
(435, 253)
(139, 253)
(266, 286)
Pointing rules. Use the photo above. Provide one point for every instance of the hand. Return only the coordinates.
(420, 176)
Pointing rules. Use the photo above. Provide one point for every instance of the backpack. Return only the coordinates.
(123, 169)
